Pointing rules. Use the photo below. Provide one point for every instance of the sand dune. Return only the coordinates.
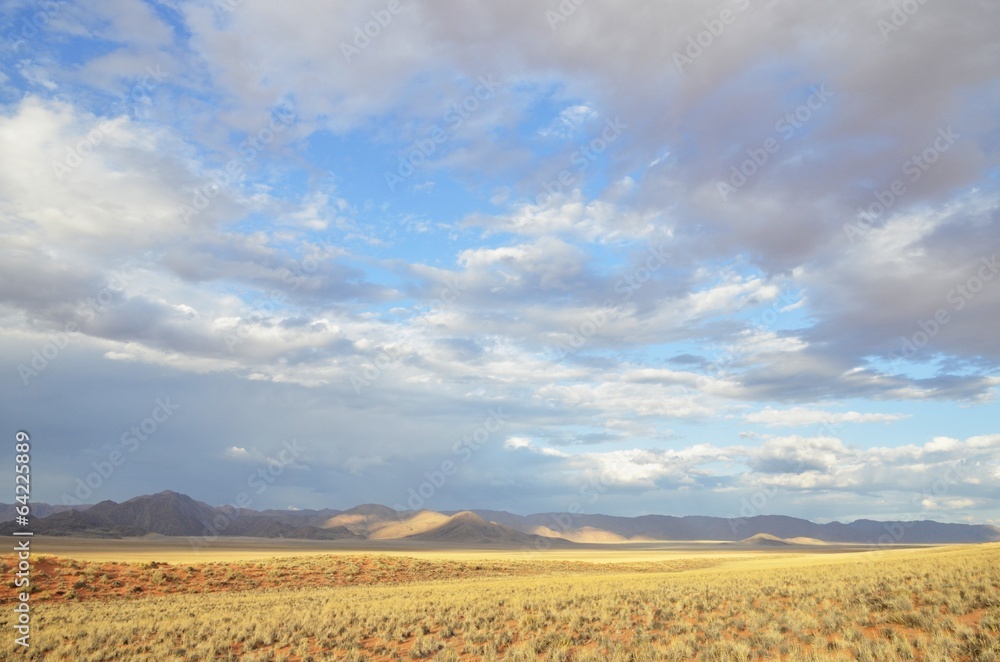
(468, 527)
(582, 534)
(420, 522)
(376, 522)
(764, 540)
(767, 540)
(802, 540)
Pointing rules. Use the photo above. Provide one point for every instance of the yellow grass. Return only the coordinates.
(914, 604)
(229, 549)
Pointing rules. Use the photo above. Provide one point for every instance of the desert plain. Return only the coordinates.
(161, 598)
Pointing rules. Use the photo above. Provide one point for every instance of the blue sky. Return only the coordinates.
(688, 275)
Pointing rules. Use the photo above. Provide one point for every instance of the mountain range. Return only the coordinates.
(608, 528)
(172, 514)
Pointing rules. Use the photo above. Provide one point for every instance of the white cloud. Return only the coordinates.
(518, 442)
(569, 121)
(805, 464)
(942, 444)
(947, 504)
(572, 215)
(800, 416)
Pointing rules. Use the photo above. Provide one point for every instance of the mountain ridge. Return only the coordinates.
(171, 513)
(701, 527)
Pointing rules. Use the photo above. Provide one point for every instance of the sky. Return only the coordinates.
(690, 258)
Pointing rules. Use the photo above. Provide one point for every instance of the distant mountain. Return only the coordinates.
(583, 534)
(381, 522)
(172, 514)
(8, 511)
(315, 518)
(167, 513)
(76, 523)
(468, 527)
(585, 528)
(765, 540)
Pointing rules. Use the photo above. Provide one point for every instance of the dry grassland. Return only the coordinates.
(929, 604)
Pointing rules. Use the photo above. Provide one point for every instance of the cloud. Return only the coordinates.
(913, 478)
(800, 417)
(947, 504)
(628, 308)
(359, 465)
(517, 442)
(570, 119)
